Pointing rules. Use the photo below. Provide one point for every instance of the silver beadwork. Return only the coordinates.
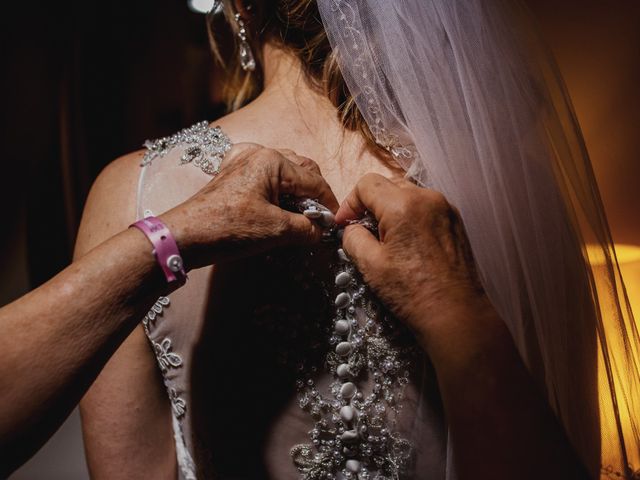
(354, 433)
(205, 147)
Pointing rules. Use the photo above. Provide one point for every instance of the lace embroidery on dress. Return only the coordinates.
(205, 149)
(150, 318)
(178, 405)
(166, 358)
(369, 356)
(187, 467)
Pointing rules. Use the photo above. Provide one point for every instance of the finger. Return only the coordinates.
(310, 164)
(287, 152)
(361, 245)
(302, 182)
(239, 150)
(403, 182)
(296, 229)
(301, 160)
(369, 195)
(289, 155)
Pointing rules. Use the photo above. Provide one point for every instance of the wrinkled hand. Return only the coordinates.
(237, 214)
(421, 267)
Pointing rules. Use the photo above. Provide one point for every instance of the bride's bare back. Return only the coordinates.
(290, 115)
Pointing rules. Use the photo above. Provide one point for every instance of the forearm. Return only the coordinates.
(57, 338)
(500, 424)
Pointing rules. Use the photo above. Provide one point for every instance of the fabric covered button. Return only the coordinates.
(348, 390)
(312, 213)
(342, 256)
(343, 349)
(343, 300)
(341, 327)
(349, 436)
(350, 452)
(328, 218)
(353, 465)
(347, 413)
(343, 279)
(343, 370)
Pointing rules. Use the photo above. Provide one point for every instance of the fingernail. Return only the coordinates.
(344, 214)
(328, 218)
(312, 213)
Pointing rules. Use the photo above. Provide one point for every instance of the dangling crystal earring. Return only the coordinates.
(247, 62)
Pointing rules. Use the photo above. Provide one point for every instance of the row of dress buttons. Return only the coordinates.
(348, 389)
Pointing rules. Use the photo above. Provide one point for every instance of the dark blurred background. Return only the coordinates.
(85, 82)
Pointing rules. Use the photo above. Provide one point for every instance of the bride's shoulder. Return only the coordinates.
(115, 188)
(110, 206)
(116, 185)
(120, 173)
(112, 201)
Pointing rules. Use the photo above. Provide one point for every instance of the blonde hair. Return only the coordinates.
(295, 26)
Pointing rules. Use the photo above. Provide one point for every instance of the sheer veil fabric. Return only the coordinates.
(467, 99)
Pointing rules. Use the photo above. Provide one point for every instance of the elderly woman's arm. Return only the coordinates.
(56, 339)
(423, 270)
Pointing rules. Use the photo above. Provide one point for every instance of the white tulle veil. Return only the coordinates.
(468, 100)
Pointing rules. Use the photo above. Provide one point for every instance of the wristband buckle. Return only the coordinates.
(165, 249)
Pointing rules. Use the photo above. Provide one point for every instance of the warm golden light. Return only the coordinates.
(623, 351)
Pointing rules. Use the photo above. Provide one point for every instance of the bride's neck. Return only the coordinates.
(285, 82)
(300, 109)
(290, 114)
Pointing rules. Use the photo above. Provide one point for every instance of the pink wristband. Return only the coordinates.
(165, 248)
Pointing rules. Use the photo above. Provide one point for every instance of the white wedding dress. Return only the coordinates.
(464, 96)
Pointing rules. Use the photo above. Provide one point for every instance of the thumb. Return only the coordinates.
(299, 230)
(361, 246)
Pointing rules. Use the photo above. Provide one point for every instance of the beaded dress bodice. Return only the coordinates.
(284, 365)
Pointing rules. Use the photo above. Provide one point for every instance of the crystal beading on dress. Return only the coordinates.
(205, 147)
(353, 433)
(353, 436)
